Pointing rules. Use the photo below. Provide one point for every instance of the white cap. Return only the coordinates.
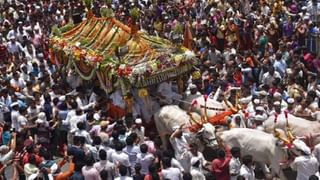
(174, 128)
(304, 8)
(259, 118)
(4, 148)
(290, 100)
(256, 101)
(259, 108)
(138, 121)
(192, 86)
(277, 103)
(96, 116)
(41, 118)
(277, 95)
(62, 98)
(300, 145)
(14, 104)
(12, 37)
(263, 93)
(244, 100)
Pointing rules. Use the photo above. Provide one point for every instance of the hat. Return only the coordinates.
(12, 37)
(194, 160)
(290, 100)
(104, 123)
(259, 108)
(96, 116)
(4, 148)
(192, 86)
(277, 103)
(244, 100)
(14, 104)
(41, 118)
(256, 101)
(62, 98)
(138, 121)
(300, 145)
(304, 8)
(263, 93)
(259, 118)
(277, 95)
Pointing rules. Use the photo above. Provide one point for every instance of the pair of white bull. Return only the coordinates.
(263, 146)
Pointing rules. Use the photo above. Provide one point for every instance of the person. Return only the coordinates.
(153, 173)
(179, 142)
(31, 171)
(246, 169)
(123, 173)
(104, 165)
(196, 172)
(48, 167)
(305, 163)
(166, 93)
(220, 165)
(137, 172)
(169, 172)
(88, 171)
(235, 164)
(144, 158)
(132, 150)
(119, 157)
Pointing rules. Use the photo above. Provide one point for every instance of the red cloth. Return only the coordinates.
(25, 159)
(220, 167)
(115, 112)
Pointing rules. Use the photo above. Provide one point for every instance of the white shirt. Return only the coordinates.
(305, 166)
(268, 79)
(145, 159)
(234, 168)
(20, 83)
(197, 174)
(22, 121)
(247, 173)
(74, 120)
(120, 158)
(165, 89)
(171, 173)
(85, 134)
(105, 165)
(123, 178)
(14, 119)
(132, 152)
(180, 145)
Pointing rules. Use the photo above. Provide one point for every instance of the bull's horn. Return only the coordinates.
(277, 135)
(192, 119)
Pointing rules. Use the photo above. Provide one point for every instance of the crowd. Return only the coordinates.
(58, 126)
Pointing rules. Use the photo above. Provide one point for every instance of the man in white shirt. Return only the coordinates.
(270, 76)
(132, 150)
(119, 157)
(246, 169)
(305, 164)
(123, 173)
(169, 172)
(235, 164)
(104, 164)
(179, 142)
(17, 82)
(14, 115)
(196, 172)
(145, 159)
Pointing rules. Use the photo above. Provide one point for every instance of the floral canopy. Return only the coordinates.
(107, 48)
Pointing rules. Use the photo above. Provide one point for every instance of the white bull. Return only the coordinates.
(171, 116)
(198, 107)
(300, 127)
(262, 146)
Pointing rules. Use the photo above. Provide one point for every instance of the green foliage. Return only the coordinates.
(106, 12)
(66, 27)
(108, 2)
(134, 13)
(87, 3)
(84, 42)
(178, 29)
(55, 31)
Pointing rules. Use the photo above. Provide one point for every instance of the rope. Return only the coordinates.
(201, 106)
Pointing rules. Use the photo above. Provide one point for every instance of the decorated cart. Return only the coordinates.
(119, 56)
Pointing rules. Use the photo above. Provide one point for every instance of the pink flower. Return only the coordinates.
(205, 97)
